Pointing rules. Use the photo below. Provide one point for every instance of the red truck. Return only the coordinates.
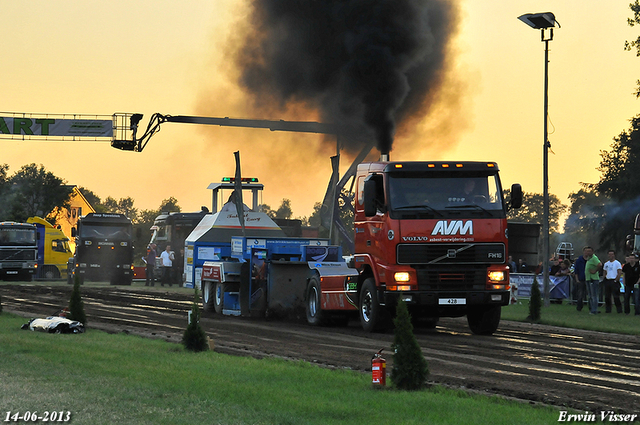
(431, 233)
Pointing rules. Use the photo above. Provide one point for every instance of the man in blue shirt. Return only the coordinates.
(578, 274)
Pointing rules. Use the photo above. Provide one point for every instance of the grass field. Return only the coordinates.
(566, 315)
(106, 379)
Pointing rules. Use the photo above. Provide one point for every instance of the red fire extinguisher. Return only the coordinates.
(379, 369)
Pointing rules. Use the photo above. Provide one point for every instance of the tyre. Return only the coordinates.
(218, 297)
(484, 320)
(315, 315)
(371, 313)
(51, 273)
(207, 296)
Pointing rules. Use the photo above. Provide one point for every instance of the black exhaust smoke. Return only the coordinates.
(363, 64)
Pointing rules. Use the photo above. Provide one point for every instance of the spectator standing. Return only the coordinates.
(179, 267)
(565, 268)
(167, 257)
(613, 271)
(150, 259)
(555, 266)
(631, 272)
(522, 266)
(592, 279)
(512, 265)
(580, 287)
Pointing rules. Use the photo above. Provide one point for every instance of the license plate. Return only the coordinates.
(452, 301)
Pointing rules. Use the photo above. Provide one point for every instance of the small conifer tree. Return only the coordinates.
(535, 302)
(410, 369)
(194, 338)
(76, 305)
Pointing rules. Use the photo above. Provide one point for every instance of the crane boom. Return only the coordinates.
(138, 144)
(281, 125)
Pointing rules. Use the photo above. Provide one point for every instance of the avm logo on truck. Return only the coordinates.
(453, 227)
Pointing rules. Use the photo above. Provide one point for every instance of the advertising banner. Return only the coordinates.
(558, 286)
(56, 127)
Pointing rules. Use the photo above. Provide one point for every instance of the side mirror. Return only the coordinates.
(516, 196)
(370, 191)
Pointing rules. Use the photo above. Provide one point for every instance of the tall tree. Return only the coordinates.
(122, 206)
(315, 220)
(620, 166)
(634, 44)
(4, 185)
(3, 175)
(619, 183)
(33, 191)
(169, 205)
(283, 211)
(586, 213)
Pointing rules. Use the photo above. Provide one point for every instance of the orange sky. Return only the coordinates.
(170, 57)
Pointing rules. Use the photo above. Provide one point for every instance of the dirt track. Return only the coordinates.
(584, 370)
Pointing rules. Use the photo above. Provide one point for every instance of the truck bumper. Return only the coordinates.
(446, 304)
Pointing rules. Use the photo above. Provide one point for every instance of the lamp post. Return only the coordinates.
(544, 21)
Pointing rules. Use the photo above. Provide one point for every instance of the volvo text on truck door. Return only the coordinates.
(104, 248)
(431, 233)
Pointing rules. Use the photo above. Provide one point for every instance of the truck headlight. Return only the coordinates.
(401, 277)
(496, 276)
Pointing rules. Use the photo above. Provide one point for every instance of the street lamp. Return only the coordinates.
(544, 21)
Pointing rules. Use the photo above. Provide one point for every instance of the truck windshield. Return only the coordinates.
(15, 236)
(444, 193)
(102, 231)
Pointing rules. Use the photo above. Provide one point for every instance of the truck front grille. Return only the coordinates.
(7, 254)
(454, 253)
(451, 279)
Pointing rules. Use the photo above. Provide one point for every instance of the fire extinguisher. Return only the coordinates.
(379, 369)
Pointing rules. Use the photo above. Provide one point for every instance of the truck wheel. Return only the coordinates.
(315, 315)
(485, 320)
(207, 296)
(51, 273)
(218, 297)
(371, 311)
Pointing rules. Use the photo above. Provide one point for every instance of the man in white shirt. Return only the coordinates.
(167, 257)
(613, 271)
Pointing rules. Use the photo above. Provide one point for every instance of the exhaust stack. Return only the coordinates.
(384, 157)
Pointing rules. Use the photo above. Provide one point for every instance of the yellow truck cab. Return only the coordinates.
(53, 250)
